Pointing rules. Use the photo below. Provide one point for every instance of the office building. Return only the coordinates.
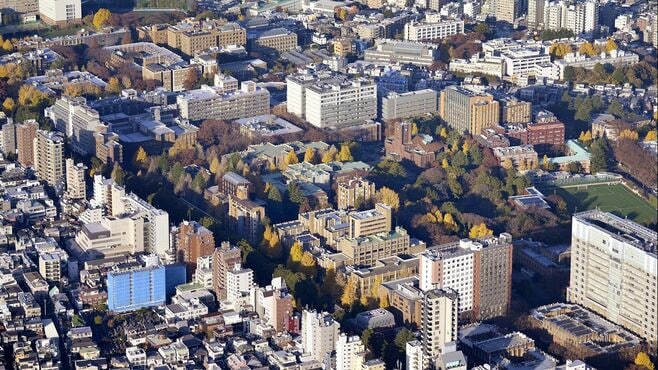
(49, 157)
(24, 8)
(523, 61)
(275, 40)
(506, 10)
(60, 13)
(210, 103)
(111, 237)
(350, 352)
(386, 52)
(78, 122)
(172, 77)
(193, 38)
(239, 282)
(367, 250)
(515, 111)
(319, 334)
(236, 185)
(132, 287)
(440, 314)
(353, 191)
(466, 111)
(428, 31)
(370, 222)
(536, 13)
(76, 186)
(410, 104)
(25, 134)
(480, 271)
(613, 271)
(193, 241)
(522, 157)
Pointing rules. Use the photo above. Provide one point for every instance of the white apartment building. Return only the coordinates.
(439, 326)
(613, 271)
(451, 267)
(213, 103)
(337, 102)
(414, 31)
(488, 65)
(582, 17)
(203, 273)
(51, 263)
(414, 355)
(60, 12)
(239, 282)
(319, 334)
(49, 156)
(350, 352)
(76, 187)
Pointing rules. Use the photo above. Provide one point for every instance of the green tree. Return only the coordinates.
(118, 174)
(599, 156)
(295, 194)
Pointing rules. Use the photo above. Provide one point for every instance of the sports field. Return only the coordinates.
(612, 198)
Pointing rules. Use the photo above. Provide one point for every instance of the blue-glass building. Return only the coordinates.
(175, 275)
(136, 288)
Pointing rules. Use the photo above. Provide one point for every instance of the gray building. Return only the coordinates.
(388, 51)
(410, 104)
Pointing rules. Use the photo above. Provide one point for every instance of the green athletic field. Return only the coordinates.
(612, 198)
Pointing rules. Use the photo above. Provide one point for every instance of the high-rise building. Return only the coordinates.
(22, 7)
(9, 138)
(536, 13)
(370, 222)
(319, 334)
(516, 111)
(225, 257)
(464, 110)
(76, 186)
(193, 241)
(51, 264)
(239, 282)
(133, 287)
(75, 119)
(60, 13)
(613, 271)
(349, 352)
(480, 271)
(581, 17)
(506, 10)
(25, 134)
(440, 314)
(49, 156)
(410, 104)
(245, 217)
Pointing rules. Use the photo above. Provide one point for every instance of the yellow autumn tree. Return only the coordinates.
(651, 135)
(114, 86)
(383, 301)
(545, 163)
(73, 90)
(309, 264)
(389, 197)
(587, 48)
(309, 156)
(374, 288)
(430, 218)
(479, 231)
(449, 222)
(643, 359)
(296, 252)
(443, 133)
(466, 147)
(140, 156)
(291, 158)
(345, 155)
(610, 45)
(414, 129)
(559, 50)
(7, 46)
(101, 18)
(214, 165)
(349, 295)
(629, 134)
(507, 164)
(444, 163)
(8, 105)
(329, 155)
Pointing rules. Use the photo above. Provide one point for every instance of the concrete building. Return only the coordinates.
(209, 103)
(225, 258)
(78, 122)
(133, 287)
(350, 352)
(375, 318)
(467, 267)
(414, 31)
(613, 271)
(76, 186)
(192, 38)
(8, 134)
(351, 191)
(410, 104)
(386, 52)
(111, 237)
(239, 282)
(466, 111)
(580, 17)
(515, 111)
(506, 10)
(615, 57)
(25, 134)
(51, 264)
(25, 9)
(439, 327)
(488, 65)
(340, 103)
(522, 61)
(319, 334)
(49, 157)
(367, 250)
(60, 12)
(370, 222)
(245, 217)
(274, 40)
(522, 157)
(172, 77)
(193, 241)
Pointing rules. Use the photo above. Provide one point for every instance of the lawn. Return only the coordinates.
(613, 198)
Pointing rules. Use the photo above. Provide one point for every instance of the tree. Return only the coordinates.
(402, 337)
(114, 86)
(389, 197)
(484, 30)
(479, 231)
(309, 155)
(599, 156)
(610, 45)
(8, 105)
(345, 155)
(587, 48)
(449, 222)
(7, 46)
(559, 50)
(349, 295)
(329, 155)
(101, 18)
(383, 302)
(191, 79)
(651, 135)
(215, 165)
(443, 133)
(118, 175)
(629, 134)
(296, 253)
(642, 359)
(309, 264)
(140, 157)
(291, 158)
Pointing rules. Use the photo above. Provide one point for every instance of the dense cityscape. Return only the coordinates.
(328, 185)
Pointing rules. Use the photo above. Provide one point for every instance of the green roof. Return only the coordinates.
(578, 154)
